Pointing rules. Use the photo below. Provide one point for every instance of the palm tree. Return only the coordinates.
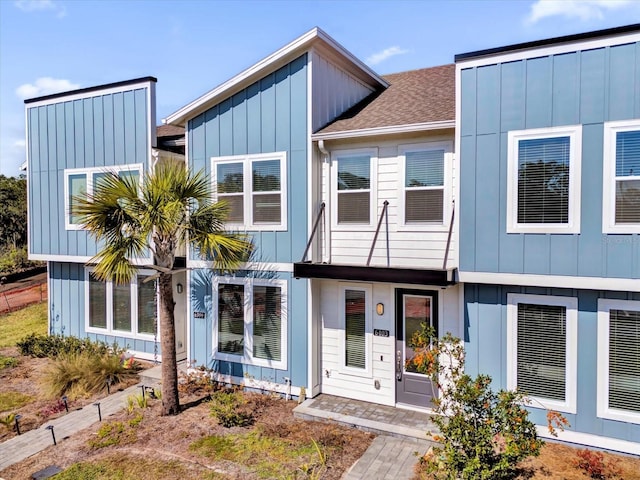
(132, 219)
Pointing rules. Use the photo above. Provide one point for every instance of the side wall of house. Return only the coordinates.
(485, 336)
(583, 88)
(99, 129)
(67, 308)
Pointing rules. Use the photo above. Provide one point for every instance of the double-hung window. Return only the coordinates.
(542, 349)
(352, 175)
(251, 321)
(355, 311)
(424, 184)
(254, 188)
(619, 360)
(621, 173)
(80, 182)
(127, 310)
(543, 190)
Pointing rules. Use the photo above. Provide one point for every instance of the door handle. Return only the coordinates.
(399, 365)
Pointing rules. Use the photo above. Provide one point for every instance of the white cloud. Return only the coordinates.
(381, 56)
(581, 9)
(45, 86)
(29, 6)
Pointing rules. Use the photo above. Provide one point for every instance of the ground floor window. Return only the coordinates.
(251, 321)
(542, 348)
(355, 313)
(619, 360)
(128, 310)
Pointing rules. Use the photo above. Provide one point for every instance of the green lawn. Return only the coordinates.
(17, 325)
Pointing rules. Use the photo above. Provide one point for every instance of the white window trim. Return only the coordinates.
(247, 357)
(569, 405)
(603, 409)
(367, 372)
(89, 173)
(247, 191)
(373, 189)
(609, 177)
(447, 188)
(109, 309)
(574, 132)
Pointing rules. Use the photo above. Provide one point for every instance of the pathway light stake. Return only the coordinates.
(53, 435)
(18, 417)
(108, 382)
(144, 390)
(66, 405)
(97, 404)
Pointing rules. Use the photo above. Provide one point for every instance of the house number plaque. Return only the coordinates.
(198, 314)
(380, 333)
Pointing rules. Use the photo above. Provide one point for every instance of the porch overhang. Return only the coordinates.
(413, 276)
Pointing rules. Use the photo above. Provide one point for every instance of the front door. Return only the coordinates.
(413, 307)
(180, 314)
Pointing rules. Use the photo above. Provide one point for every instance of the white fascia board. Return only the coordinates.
(390, 130)
(547, 50)
(260, 69)
(551, 281)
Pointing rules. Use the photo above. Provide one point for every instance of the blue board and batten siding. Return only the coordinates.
(96, 131)
(485, 332)
(268, 116)
(67, 308)
(585, 87)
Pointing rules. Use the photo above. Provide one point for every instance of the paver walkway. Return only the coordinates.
(29, 443)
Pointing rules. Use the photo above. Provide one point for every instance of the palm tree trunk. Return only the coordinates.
(170, 401)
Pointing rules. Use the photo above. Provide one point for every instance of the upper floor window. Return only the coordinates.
(424, 181)
(621, 173)
(80, 182)
(541, 349)
(353, 187)
(619, 360)
(254, 187)
(543, 190)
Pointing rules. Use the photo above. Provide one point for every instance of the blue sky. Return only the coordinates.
(191, 46)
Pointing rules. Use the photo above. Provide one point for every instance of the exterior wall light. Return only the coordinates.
(380, 308)
(179, 288)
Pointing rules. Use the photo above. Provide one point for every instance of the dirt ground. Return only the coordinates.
(26, 292)
(167, 439)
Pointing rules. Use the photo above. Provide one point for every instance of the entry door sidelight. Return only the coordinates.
(413, 307)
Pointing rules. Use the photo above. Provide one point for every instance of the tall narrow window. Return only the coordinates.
(97, 302)
(621, 190)
(230, 184)
(231, 319)
(424, 186)
(619, 360)
(544, 180)
(266, 191)
(122, 307)
(267, 322)
(354, 189)
(77, 188)
(147, 306)
(355, 328)
(541, 346)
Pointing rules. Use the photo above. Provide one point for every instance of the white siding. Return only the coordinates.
(421, 247)
(382, 355)
(334, 91)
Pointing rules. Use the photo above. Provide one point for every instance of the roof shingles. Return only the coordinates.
(417, 96)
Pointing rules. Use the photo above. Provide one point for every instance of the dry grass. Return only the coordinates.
(17, 325)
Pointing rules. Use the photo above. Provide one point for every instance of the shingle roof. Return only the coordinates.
(417, 96)
(169, 131)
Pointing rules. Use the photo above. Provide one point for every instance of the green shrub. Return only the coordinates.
(227, 406)
(8, 362)
(12, 400)
(81, 374)
(52, 346)
(113, 433)
(15, 259)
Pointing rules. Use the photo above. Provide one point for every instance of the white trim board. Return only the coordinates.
(552, 281)
(591, 440)
(279, 58)
(140, 262)
(534, 52)
(390, 130)
(260, 266)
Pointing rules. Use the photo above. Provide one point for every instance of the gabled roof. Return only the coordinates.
(415, 100)
(314, 38)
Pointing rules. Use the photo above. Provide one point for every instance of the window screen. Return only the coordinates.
(624, 360)
(267, 322)
(355, 323)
